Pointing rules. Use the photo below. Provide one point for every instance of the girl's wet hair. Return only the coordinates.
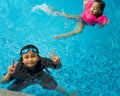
(102, 6)
(28, 47)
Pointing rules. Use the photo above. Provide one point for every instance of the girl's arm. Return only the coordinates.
(85, 3)
(70, 16)
(103, 20)
(76, 30)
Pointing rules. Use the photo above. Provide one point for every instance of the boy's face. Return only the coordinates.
(95, 8)
(30, 59)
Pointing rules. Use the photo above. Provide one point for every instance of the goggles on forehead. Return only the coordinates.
(24, 51)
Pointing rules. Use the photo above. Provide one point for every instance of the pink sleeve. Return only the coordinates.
(102, 20)
(88, 5)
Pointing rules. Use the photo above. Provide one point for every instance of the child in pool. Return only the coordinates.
(92, 14)
(30, 70)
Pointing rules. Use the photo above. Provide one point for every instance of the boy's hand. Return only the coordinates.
(11, 68)
(55, 58)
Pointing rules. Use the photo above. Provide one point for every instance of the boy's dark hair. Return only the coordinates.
(102, 6)
(27, 47)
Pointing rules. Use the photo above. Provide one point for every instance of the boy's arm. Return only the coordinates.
(9, 74)
(6, 78)
(58, 66)
(56, 60)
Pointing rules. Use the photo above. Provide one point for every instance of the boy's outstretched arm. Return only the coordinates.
(10, 72)
(5, 78)
(55, 59)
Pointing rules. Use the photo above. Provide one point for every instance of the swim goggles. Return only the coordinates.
(24, 51)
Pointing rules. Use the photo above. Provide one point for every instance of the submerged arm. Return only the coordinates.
(10, 72)
(77, 30)
(5, 78)
(70, 16)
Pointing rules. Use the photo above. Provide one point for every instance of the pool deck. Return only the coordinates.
(11, 93)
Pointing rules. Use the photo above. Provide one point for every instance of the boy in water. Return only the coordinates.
(29, 70)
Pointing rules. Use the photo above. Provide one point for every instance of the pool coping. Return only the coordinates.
(4, 92)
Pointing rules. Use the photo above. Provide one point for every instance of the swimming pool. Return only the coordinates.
(91, 60)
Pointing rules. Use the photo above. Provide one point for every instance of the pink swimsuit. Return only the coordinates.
(91, 19)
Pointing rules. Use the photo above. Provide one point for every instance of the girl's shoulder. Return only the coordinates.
(102, 20)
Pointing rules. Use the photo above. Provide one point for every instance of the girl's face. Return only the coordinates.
(95, 8)
(30, 59)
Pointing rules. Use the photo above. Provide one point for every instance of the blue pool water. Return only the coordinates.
(91, 60)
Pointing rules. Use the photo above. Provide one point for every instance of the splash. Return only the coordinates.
(49, 10)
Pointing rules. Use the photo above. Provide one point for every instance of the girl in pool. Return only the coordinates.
(92, 14)
(30, 70)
